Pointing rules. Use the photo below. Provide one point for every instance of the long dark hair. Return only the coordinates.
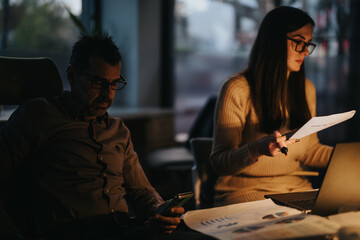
(267, 71)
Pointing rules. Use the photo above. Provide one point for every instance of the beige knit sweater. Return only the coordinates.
(242, 178)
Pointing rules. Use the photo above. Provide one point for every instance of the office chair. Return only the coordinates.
(176, 157)
(22, 79)
(179, 159)
(203, 175)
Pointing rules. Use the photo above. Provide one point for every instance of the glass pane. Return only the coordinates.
(40, 25)
(39, 28)
(214, 39)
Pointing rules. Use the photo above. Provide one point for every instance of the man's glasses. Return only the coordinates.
(300, 45)
(101, 83)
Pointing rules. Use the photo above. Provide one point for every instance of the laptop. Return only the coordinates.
(340, 189)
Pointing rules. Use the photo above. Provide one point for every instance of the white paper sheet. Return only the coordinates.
(348, 219)
(257, 220)
(317, 124)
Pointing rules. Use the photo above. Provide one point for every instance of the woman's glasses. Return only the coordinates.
(300, 45)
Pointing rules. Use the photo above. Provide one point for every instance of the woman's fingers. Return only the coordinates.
(279, 138)
(282, 143)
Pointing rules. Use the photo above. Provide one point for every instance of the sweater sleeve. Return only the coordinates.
(317, 154)
(230, 155)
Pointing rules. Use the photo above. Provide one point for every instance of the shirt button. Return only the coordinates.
(100, 157)
(112, 210)
(107, 191)
(104, 174)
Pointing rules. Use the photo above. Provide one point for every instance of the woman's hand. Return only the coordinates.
(269, 145)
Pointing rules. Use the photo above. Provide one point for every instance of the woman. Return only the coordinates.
(270, 97)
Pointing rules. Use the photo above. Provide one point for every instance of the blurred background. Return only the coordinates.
(214, 38)
(177, 53)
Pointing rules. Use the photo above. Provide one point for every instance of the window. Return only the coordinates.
(213, 39)
(38, 28)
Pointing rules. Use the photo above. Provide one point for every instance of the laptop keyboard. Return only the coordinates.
(306, 204)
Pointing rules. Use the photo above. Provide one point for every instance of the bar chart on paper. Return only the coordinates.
(257, 220)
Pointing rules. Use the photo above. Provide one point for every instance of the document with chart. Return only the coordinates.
(317, 124)
(257, 220)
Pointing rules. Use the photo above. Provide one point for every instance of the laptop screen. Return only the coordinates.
(340, 188)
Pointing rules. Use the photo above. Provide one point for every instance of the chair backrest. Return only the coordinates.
(24, 78)
(21, 79)
(204, 177)
(204, 121)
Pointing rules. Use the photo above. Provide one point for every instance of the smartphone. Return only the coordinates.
(178, 201)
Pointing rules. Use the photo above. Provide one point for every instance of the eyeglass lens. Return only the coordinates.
(98, 83)
(118, 85)
(300, 47)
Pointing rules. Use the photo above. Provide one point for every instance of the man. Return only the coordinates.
(82, 160)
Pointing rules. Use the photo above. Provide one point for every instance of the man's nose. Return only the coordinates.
(106, 89)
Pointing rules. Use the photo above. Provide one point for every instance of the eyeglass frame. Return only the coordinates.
(104, 83)
(305, 45)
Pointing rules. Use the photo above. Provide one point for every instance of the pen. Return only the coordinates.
(282, 145)
(284, 150)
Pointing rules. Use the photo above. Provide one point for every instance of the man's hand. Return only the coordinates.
(167, 224)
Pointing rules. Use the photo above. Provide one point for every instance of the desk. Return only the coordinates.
(261, 219)
(150, 128)
(4, 115)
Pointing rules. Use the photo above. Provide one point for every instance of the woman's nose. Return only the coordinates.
(306, 51)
